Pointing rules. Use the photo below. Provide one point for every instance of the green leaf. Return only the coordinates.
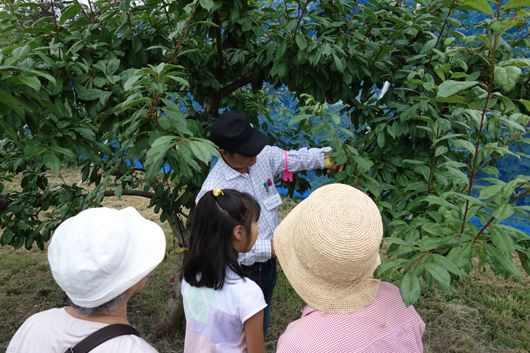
(460, 255)
(519, 62)
(206, 4)
(118, 191)
(130, 82)
(390, 266)
(338, 62)
(501, 261)
(525, 261)
(20, 52)
(183, 82)
(299, 118)
(446, 264)
(202, 149)
(507, 77)
(514, 232)
(480, 5)
(526, 104)
(51, 161)
(449, 88)
(503, 241)
(88, 94)
(504, 211)
(30, 81)
(465, 144)
(363, 164)
(300, 41)
(436, 200)
(410, 288)
(440, 274)
(112, 66)
(516, 4)
(69, 12)
(489, 191)
(155, 155)
(7, 237)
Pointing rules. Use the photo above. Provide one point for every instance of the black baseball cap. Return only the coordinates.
(233, 133)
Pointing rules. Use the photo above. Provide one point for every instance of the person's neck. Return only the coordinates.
(116, 316)
(242, 170)
(245, 170)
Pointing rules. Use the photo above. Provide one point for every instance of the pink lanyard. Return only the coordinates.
(287, 175)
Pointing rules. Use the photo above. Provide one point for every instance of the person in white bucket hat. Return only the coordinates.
(328, 248)
(100, 258)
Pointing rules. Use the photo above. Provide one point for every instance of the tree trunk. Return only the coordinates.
(172, 320)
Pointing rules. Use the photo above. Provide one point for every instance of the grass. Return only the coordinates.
(484, 313)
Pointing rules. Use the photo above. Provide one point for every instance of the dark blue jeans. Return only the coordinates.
(264, 274)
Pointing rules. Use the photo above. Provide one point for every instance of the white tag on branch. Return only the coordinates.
(386, 87)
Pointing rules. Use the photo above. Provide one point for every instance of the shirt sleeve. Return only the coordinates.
(288, 344)
(22, 331)
(252, 301)
(297, 160)
(261, 252)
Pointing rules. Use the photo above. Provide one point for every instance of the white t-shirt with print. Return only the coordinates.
(215, 318)
(54, 331)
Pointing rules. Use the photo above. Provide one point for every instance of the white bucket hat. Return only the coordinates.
(328, 247)
(101, 252)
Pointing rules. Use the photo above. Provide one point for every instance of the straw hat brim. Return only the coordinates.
(325, 295)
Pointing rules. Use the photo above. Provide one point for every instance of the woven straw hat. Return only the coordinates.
(328, 247)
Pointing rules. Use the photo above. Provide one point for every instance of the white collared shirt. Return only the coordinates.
(269, 165)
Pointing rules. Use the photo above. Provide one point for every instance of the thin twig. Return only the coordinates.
(164, 6)
(449, 13)
(54, 15)
(301, 17)
(488, 223)
(184, 33)
(473, 171)
(91, 10)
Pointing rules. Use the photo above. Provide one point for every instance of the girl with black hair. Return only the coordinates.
(224, 310)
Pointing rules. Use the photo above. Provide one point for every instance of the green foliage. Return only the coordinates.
(98, 86)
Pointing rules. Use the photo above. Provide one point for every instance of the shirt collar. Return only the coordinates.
(308, 310)
(229, 172)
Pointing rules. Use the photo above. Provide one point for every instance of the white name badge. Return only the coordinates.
(272, 202)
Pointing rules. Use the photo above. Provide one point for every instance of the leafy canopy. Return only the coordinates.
(125, 91)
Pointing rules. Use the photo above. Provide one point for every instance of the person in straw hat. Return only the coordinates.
(100, 258)
(328, 247)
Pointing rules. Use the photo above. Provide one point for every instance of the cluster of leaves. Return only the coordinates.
(126, 90)
(427, 150)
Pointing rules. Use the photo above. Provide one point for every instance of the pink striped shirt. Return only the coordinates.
(384, 326)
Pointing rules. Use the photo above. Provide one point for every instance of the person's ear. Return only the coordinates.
(238, 232)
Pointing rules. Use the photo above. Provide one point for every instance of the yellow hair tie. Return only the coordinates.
(217, 192)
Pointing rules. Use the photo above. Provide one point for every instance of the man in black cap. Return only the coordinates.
(249, 165)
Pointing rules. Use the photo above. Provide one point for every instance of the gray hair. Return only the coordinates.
(103, 308)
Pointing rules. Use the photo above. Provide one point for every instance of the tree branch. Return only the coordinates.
(449, 13)
(219, 41)
(519, 195)
(243, 81)
(141, 193)
(164, 6)
(300, 18)
(473, 171)
(54, 15)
